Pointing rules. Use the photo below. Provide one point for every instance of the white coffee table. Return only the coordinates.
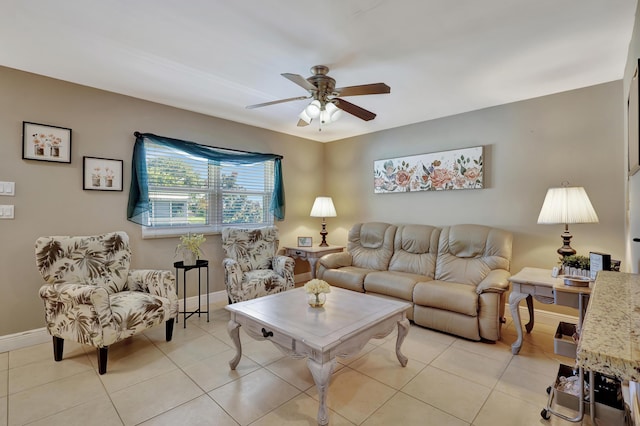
(341, 328)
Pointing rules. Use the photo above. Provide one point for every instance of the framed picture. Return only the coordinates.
(633, 123)
(46, 143)
(438, 171)
(305, 241)
(101, 174)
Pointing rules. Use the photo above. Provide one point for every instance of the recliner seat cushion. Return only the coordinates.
(391, 283)
(454, 297)
(349, 277)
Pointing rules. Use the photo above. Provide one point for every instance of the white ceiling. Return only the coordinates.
(440, 57)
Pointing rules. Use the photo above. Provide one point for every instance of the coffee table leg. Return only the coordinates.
(321, 374)
(403, 329)
(234, 332)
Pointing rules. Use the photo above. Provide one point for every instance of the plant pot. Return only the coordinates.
(189, 258)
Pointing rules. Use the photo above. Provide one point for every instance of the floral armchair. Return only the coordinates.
(92, 297)
(252, 267)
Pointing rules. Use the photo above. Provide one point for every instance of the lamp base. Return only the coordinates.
(566, 249)
(324, 234)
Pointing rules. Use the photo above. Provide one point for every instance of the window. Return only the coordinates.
(190, 193)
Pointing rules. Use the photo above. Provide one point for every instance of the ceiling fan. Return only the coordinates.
(326, 104)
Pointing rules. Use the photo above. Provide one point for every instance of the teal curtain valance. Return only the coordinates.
(138, 204)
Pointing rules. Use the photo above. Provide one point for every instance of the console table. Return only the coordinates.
(311, 254)
(538, 283)
(199, 265)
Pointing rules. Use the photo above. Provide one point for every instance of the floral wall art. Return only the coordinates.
(102, 174)
(46, 143)
(446, 170)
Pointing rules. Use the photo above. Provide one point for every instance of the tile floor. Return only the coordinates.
(448, 381)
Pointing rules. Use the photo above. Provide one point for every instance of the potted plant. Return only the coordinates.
(576, 265)
(190, 247)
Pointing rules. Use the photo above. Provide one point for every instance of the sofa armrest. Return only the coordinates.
(496, 282)
(336, 260)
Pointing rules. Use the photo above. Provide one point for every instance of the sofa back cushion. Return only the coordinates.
(252, 248)
(371, 245)
(415, 250)
(467, 253)
(101, 260)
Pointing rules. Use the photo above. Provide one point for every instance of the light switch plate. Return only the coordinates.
(7, 188)
(6, 212)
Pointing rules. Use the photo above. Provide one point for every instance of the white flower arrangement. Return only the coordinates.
(316, 286)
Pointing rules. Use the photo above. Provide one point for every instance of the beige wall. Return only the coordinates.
(529, 146)
(49, 198)
(575, 136)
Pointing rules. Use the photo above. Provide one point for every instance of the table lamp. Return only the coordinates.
(323, 207)
(567, 205)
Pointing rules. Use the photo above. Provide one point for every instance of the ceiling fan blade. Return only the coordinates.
(297, 98)
(302, 123)
(300, 81)
(352, 109)
(364, 89)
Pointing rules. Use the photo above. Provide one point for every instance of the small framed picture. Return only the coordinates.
(305, 241)
(101, 174)
(46, 143)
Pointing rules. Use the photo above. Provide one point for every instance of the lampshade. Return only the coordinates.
(332, 111)
(567, 205)
(313, 109)
(304, 116)
(323, 207)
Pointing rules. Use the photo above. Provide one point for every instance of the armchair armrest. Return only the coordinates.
(496, 282)
(284, 266)
(88, 302)
(232, 271)
(336, 260)
(157, 282)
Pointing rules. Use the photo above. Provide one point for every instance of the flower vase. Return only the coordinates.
(188, 258)
(316, 300)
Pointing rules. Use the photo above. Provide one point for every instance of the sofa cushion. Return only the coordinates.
(371, 245)
(396, 284)
(349, 277)
(415, 250)
(450, 296)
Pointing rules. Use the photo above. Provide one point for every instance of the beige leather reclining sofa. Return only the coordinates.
(455, 276)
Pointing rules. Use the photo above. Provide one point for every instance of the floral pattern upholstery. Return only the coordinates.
(92, 297)
(252, 267)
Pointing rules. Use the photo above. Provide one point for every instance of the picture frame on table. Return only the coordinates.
(101, 174)
(305, 242)
(43, 142)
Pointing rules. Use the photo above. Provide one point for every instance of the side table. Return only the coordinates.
(311, 254)
(538, 283)
(199, 265)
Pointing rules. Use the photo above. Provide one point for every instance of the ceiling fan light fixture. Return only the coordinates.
(304, 116)
(333, 111)
(313, 109)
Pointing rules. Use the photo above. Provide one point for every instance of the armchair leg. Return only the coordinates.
(102, 359)
(58, 347)
(169, 328)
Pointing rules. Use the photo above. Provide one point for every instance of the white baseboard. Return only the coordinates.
(12, 342)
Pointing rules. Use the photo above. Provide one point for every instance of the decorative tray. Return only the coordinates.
(576, 280)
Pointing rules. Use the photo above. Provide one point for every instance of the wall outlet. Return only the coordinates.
(7, 188)
(6, 212)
